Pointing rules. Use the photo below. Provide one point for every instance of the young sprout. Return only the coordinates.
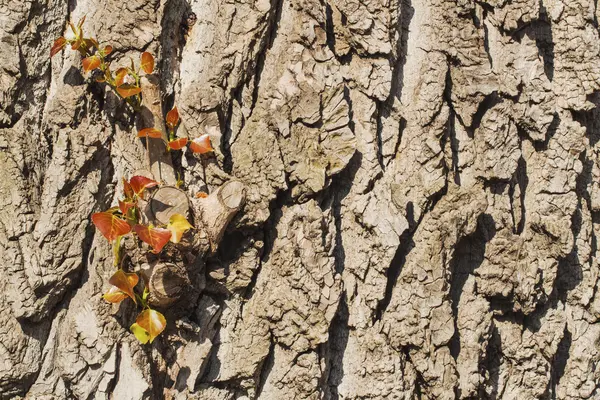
(125, 81)
(124, 219)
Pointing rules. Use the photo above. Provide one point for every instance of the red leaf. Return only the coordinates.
(127, 90)
(178, 144)
(58, 45)
(155, 237)
(173, 118)
(127, 189)
(147, 62)
(110, 225)
(120, 75)
(201, 144)
(148, 325)
(125, 282)
(140, 183)
(125, 206)
(90, 63)
(91, 42)
(150, 132)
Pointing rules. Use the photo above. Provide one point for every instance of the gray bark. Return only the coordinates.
(422, 200)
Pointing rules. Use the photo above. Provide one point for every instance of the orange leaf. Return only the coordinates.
(178, 144)
(155, 237)
(58, 45)
(91, 42)
(173, 118)
(110, 225)
(127, 90)
(114, 295)
(148, 325)
(150, 132)
(75, 45)
(90, 63)
(73, 29)
(140, 183)
(120, 75)
(81, 21)
(107, 50)
(125, 282)
(201, 144)
(201, 195)
(125, 206)
(147, 62)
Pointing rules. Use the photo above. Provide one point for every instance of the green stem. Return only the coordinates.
(142, 301)
(117, 251)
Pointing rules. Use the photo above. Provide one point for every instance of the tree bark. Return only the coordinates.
(421, 200)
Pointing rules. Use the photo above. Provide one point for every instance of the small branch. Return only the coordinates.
(151, 116)
(214, 212)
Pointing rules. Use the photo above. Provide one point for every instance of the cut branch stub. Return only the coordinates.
(168, 280)
(166, 284)
(168, 201)
(232, 195)
(214, 212)
(151, 116)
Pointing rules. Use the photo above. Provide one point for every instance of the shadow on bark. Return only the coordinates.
(590, 119)
(469, 255)
(338, 340)
(492, 364)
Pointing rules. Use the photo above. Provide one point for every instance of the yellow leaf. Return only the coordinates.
(114, 295)
(178, 225)
(148, 325)
(140, 333)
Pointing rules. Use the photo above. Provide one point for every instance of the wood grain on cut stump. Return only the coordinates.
(167, 283)
(214, 212)
(168, 201)
(232, 194)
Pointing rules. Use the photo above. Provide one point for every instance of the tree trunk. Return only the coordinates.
(422, 200)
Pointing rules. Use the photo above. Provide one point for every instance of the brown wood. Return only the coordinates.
(167, 282)
(214, 212)
(167, 201)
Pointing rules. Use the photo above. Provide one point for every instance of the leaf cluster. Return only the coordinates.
(122, 220)
(199, 145)
(125, 81)
(125, 219)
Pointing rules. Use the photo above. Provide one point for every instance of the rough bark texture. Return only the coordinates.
(422, 200)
